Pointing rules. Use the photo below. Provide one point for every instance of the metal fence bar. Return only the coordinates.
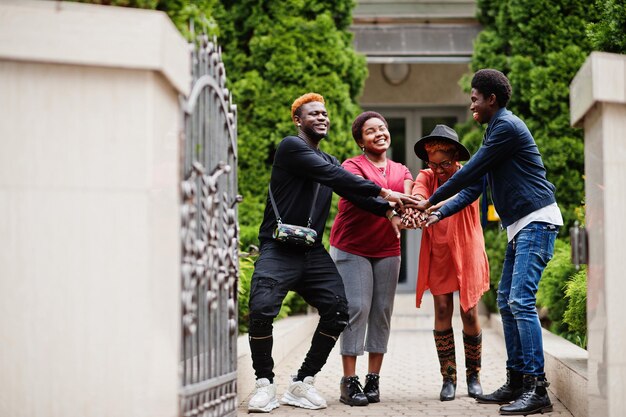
(209, 240)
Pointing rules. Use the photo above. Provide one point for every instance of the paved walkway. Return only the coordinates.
(410, 379)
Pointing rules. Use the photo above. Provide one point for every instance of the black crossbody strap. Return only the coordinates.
(278, 219)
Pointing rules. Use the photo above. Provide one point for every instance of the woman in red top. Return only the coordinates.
(366, 250)
(452, 258)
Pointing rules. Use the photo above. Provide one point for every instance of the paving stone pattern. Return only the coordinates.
(410, 379)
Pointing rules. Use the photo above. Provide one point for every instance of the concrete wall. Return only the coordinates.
(598, 104)
(89, 210)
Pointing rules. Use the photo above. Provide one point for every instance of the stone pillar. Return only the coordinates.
(89, 210)
(598, 104)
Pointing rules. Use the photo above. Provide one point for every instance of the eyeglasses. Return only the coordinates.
(442, 164)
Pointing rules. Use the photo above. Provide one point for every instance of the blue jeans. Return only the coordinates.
(526, 257)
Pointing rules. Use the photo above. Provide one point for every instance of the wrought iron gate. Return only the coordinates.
(209, 235)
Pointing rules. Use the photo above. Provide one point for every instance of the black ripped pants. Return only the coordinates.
(312, 274)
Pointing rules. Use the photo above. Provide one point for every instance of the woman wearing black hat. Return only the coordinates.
(452, 258)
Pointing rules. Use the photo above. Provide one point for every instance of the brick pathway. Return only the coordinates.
(410, 379)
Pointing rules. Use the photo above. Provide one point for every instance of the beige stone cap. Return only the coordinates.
(602, 78)
(87, 34)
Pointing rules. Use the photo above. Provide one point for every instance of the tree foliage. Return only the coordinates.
(276, 51)
(575, 315)
(540, 45)
(551, 294)
(608, 34)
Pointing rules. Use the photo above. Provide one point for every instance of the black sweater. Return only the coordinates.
(297, 168)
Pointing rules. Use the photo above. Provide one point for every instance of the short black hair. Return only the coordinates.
(491, 81)
(357, 125)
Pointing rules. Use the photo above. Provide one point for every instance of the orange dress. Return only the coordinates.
(452, 252)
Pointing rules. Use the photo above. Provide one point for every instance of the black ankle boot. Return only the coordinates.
(352, 392)
(533, 400)
(508, 392)
(371, 390)
(448, 389)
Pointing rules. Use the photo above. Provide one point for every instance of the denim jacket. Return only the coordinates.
(511, 160)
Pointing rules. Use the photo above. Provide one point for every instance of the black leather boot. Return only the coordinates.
(352, 392)
(444, 341)
(371, 389)
(474, 388)
(448, 389)
(508, 392)
(473, 353)
(533, 400)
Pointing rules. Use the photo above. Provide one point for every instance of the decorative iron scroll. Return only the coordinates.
(210, 240)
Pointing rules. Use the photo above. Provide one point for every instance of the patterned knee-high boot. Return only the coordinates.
(473, 350)
(444, 341)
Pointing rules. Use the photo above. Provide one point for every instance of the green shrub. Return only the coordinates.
(551, 294)
(292, 304)
(608, 33)
(495, 246)
(540, 53)
(275, 51)
(576, 313)
(563, 292)
(246, 268)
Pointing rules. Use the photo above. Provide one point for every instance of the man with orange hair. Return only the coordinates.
(302, 181)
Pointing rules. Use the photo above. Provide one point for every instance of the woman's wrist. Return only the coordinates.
(385, 193)
(391, 214)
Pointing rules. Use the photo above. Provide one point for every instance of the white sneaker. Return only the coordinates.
(303, 394)
(264, 398)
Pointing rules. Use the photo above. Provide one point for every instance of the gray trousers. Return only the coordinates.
(370, 289)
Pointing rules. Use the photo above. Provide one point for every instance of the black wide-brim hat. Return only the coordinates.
(446, 134)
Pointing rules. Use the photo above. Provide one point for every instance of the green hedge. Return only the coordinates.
(576, 313)
(551, 294)
(275, 51)
(292, 304)
(562, 291)
(495, 246)
(540, 53)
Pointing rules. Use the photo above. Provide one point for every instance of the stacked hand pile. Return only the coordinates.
(413, 218)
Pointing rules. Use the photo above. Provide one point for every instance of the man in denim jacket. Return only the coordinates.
(525, 202)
